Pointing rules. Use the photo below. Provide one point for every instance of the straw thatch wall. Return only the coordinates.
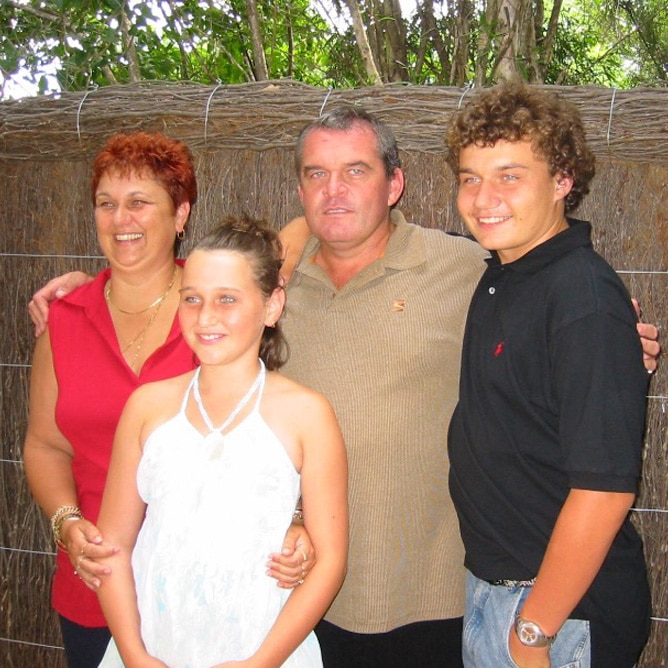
(242, 138)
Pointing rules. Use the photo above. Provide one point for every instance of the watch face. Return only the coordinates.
(529, 633)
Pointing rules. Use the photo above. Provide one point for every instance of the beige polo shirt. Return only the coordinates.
(385, 349)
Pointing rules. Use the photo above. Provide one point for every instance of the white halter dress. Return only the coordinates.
(216, 507)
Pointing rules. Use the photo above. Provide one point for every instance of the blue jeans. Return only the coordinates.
(490, 614)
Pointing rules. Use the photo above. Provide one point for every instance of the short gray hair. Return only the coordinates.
(345, 117)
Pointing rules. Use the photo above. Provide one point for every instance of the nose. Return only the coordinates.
(334, 185)
(485, 195)
(121, 214)
(207, 315)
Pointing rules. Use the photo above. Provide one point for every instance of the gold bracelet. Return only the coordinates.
(298, 516)
(63, 514)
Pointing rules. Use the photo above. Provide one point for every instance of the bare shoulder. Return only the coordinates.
(166, 389)
(158, 401)
(302, 404)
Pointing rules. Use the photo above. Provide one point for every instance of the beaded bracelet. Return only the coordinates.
(63, 514)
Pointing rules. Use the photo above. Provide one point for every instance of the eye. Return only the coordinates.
(468, 180)
(104, 204)
(227, 299)
(190, 299)
(510, 178)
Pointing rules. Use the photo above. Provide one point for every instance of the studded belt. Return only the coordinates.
(512, 584)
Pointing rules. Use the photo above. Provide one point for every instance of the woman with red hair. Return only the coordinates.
(105, 339)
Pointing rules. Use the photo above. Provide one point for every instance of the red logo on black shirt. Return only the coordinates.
(499, 348)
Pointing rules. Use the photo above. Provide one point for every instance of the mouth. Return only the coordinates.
(208, 338)
(336, 210)
(128, 237)
(492, 220)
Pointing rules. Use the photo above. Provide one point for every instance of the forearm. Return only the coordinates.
(49, 474)
(303, 610)
(580, 541)
(118, 600)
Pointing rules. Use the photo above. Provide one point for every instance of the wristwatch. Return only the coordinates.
(531, 635)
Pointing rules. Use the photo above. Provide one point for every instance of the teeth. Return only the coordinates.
(128, 237)
(210, 337)
(492, 221)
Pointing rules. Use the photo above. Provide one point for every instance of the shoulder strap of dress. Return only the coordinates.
(260, 389)
(193, 380)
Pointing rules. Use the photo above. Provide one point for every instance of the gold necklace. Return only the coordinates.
(139, 339)
(157, 302)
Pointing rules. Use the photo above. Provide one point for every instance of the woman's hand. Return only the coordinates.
(292, 564)
(85, 546)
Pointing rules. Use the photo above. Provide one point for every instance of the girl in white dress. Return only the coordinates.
(204, 477)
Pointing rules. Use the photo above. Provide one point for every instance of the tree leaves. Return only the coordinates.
(99, 42)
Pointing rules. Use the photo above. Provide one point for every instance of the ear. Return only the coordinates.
(181, 216)
(275, 305)
(397, 182)
(563, 186)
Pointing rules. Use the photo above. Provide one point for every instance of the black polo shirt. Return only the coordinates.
(552, 397)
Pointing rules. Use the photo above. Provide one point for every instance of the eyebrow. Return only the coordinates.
(500, 168)
(186, 288)
(134, 193)
(356, 163)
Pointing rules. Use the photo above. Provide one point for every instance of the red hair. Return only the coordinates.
(167, 160)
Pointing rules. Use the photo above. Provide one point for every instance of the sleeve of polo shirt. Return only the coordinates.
(601, 388)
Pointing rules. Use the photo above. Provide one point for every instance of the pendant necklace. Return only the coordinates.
(239, 407)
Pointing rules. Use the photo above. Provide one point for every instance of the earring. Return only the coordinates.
(181, 235)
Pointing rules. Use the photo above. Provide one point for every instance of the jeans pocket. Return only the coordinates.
(572, 648)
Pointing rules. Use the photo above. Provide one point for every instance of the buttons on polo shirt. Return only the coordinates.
(491, 290)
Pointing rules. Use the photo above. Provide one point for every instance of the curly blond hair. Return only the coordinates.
(519, 112)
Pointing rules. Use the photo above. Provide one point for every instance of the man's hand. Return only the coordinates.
(58, 287)
(527, 657)
(85, 545)
(649, 339)
(292, 564)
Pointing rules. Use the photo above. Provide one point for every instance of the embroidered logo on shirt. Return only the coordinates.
(398, 304)
(499, 348)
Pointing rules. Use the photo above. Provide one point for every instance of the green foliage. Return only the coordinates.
(617, 43)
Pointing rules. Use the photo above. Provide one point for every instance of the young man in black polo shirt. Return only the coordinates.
(545, 444)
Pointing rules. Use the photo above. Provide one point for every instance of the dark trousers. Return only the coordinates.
(431, 644)
(84, 647)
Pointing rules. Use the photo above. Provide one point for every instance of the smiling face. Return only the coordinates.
(508, 199)
(136, 220)
(222, 310)
(344, 189)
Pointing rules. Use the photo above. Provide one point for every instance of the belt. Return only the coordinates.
(512, 584)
